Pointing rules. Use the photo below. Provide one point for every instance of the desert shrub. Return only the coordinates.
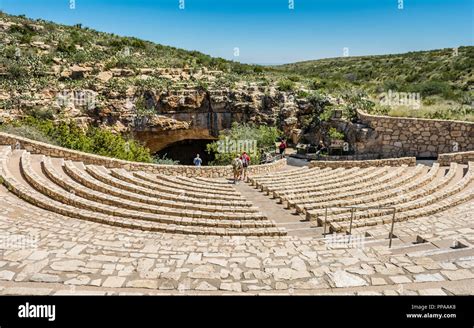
(79, 37)
(41, 113)
(286, 85)
(14, 69)
(317, 84)
(320, 110)
(294, 78)
(302, 94)
(431, 88)
(258, 69)
(126, 62)
(392, 85)
(335, 135)
(356, 99)
(25, 32)
(66, 47)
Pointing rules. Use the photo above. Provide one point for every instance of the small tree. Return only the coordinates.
(243, 137)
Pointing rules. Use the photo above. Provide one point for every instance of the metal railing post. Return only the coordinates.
(353, 211)
(325, 220)
(391, 229)
(352, 218)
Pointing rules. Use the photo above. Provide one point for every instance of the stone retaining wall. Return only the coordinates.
(396, 137)
(461, 158)
(410, 161)
(359, 157)
(37, 147)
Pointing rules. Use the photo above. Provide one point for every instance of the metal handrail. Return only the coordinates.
(353, 208)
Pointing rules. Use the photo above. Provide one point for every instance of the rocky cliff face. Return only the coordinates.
(157, 116)
(160, 94)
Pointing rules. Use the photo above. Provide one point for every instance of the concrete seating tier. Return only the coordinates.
(318, 186)
(398, 196)
(105, 175)
(309, 182)
(326, 196)
(63, 187)
(314, 200)
(223, 185)
(78, 172)
(114, 196)
(275, 184)
(183, 182)
(378, 191)
(438, 200)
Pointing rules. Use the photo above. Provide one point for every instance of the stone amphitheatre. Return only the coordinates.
(106, 226)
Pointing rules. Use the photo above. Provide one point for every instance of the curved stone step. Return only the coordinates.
(17, 185)
(114, 196)
(81, 176)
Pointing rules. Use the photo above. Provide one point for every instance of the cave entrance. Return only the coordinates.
(185, 151)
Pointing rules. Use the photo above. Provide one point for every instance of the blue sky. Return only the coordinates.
(268, 31)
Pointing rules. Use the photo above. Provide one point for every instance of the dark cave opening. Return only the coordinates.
(185, 151)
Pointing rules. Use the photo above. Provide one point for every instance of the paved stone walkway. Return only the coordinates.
(45, 253)
(295, 224)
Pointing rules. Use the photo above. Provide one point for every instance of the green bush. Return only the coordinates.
(335, 135)
(25, 32)
(317, 84)
(286, 85)
(263, 136)
(431, 88)
(294, 78)
(14, 68)
(91, 140)
(66, 47)
(302, 94)
(41, 113)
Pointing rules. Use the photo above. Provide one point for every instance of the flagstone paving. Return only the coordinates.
(60, 255)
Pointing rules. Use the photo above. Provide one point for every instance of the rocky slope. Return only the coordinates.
(162, 94)
(124, 84)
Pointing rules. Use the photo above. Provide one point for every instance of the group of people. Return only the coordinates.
(242, 162)
(239, 167)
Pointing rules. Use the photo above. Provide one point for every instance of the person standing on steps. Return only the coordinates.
(282, 148)
(197, 161)
(245, 158)
(237, 167)
(320, 148)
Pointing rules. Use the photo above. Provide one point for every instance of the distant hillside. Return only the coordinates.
(449, 71)
(32, 47)
(79, 44)
(39, 59)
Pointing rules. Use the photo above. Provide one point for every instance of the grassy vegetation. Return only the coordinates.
(435, 71)
(439, 111)
(443, 78)
(70, 135)
(164, 160)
